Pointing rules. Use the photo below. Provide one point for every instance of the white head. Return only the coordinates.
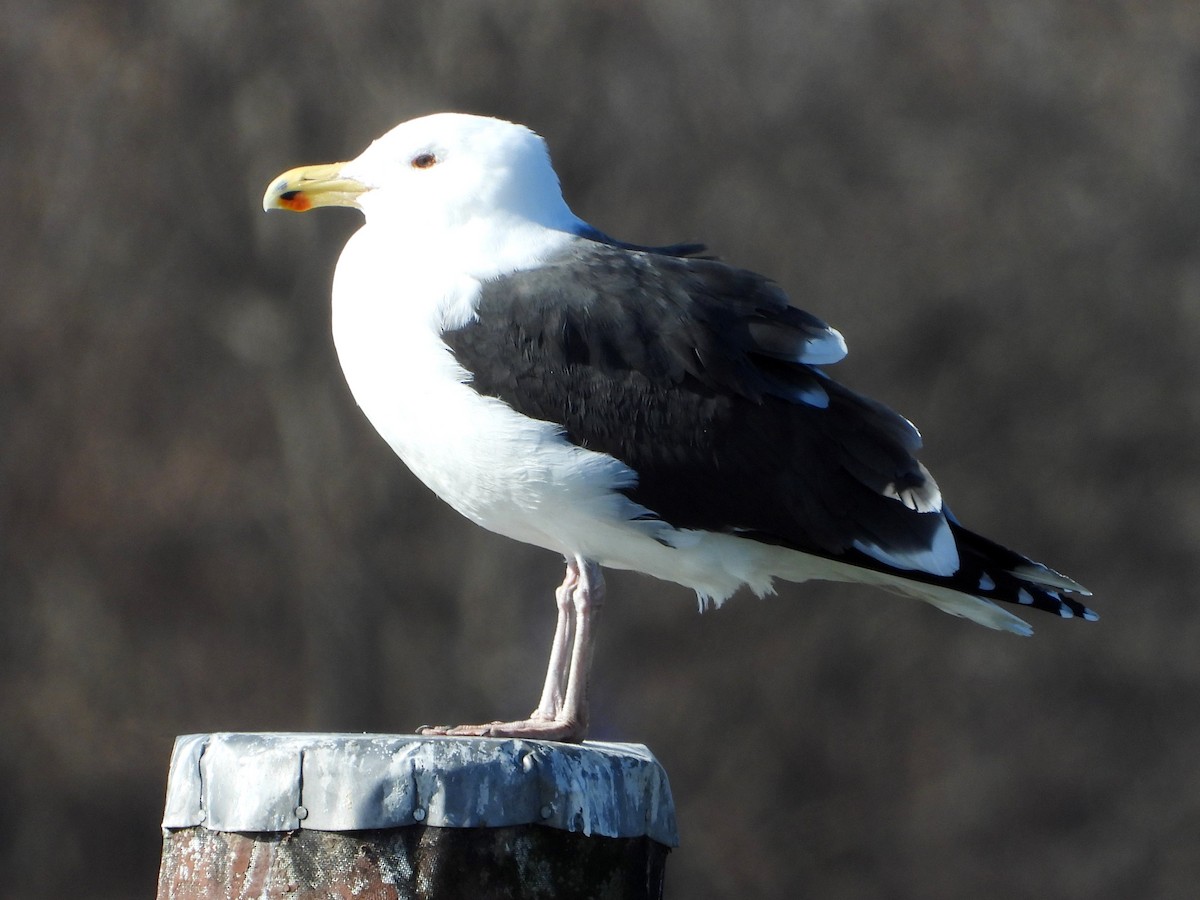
(441, 170)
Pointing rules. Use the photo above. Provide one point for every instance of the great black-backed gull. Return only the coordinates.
(645, 408)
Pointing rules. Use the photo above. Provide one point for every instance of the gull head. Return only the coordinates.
(438, 171)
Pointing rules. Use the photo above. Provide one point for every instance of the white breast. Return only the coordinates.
(506, 472)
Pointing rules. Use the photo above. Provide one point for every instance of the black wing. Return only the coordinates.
(704, 380)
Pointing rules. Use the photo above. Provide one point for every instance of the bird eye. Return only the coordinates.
(423, 161)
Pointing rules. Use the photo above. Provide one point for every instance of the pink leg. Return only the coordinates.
(564, 634)
(587, 598)
(562, 714)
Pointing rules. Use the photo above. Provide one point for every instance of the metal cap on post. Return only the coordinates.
(316, 815)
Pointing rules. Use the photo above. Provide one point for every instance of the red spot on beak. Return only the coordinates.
(297, 201)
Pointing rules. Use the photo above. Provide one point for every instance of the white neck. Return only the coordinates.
(477, 247)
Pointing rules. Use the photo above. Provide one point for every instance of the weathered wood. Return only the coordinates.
(384, 816)
(417, 862)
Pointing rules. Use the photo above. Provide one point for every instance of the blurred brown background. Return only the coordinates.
(997, 203)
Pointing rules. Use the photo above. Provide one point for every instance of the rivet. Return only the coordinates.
(203, 815)
(301, 812)
(419, 814)
(547, 811)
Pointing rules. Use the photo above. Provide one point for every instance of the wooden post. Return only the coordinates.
(306, 816)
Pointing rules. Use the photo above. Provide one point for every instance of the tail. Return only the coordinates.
(1005, 575)
(990, 575)
(989, 578)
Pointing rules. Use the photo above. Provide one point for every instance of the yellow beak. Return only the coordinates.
(303, 188)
